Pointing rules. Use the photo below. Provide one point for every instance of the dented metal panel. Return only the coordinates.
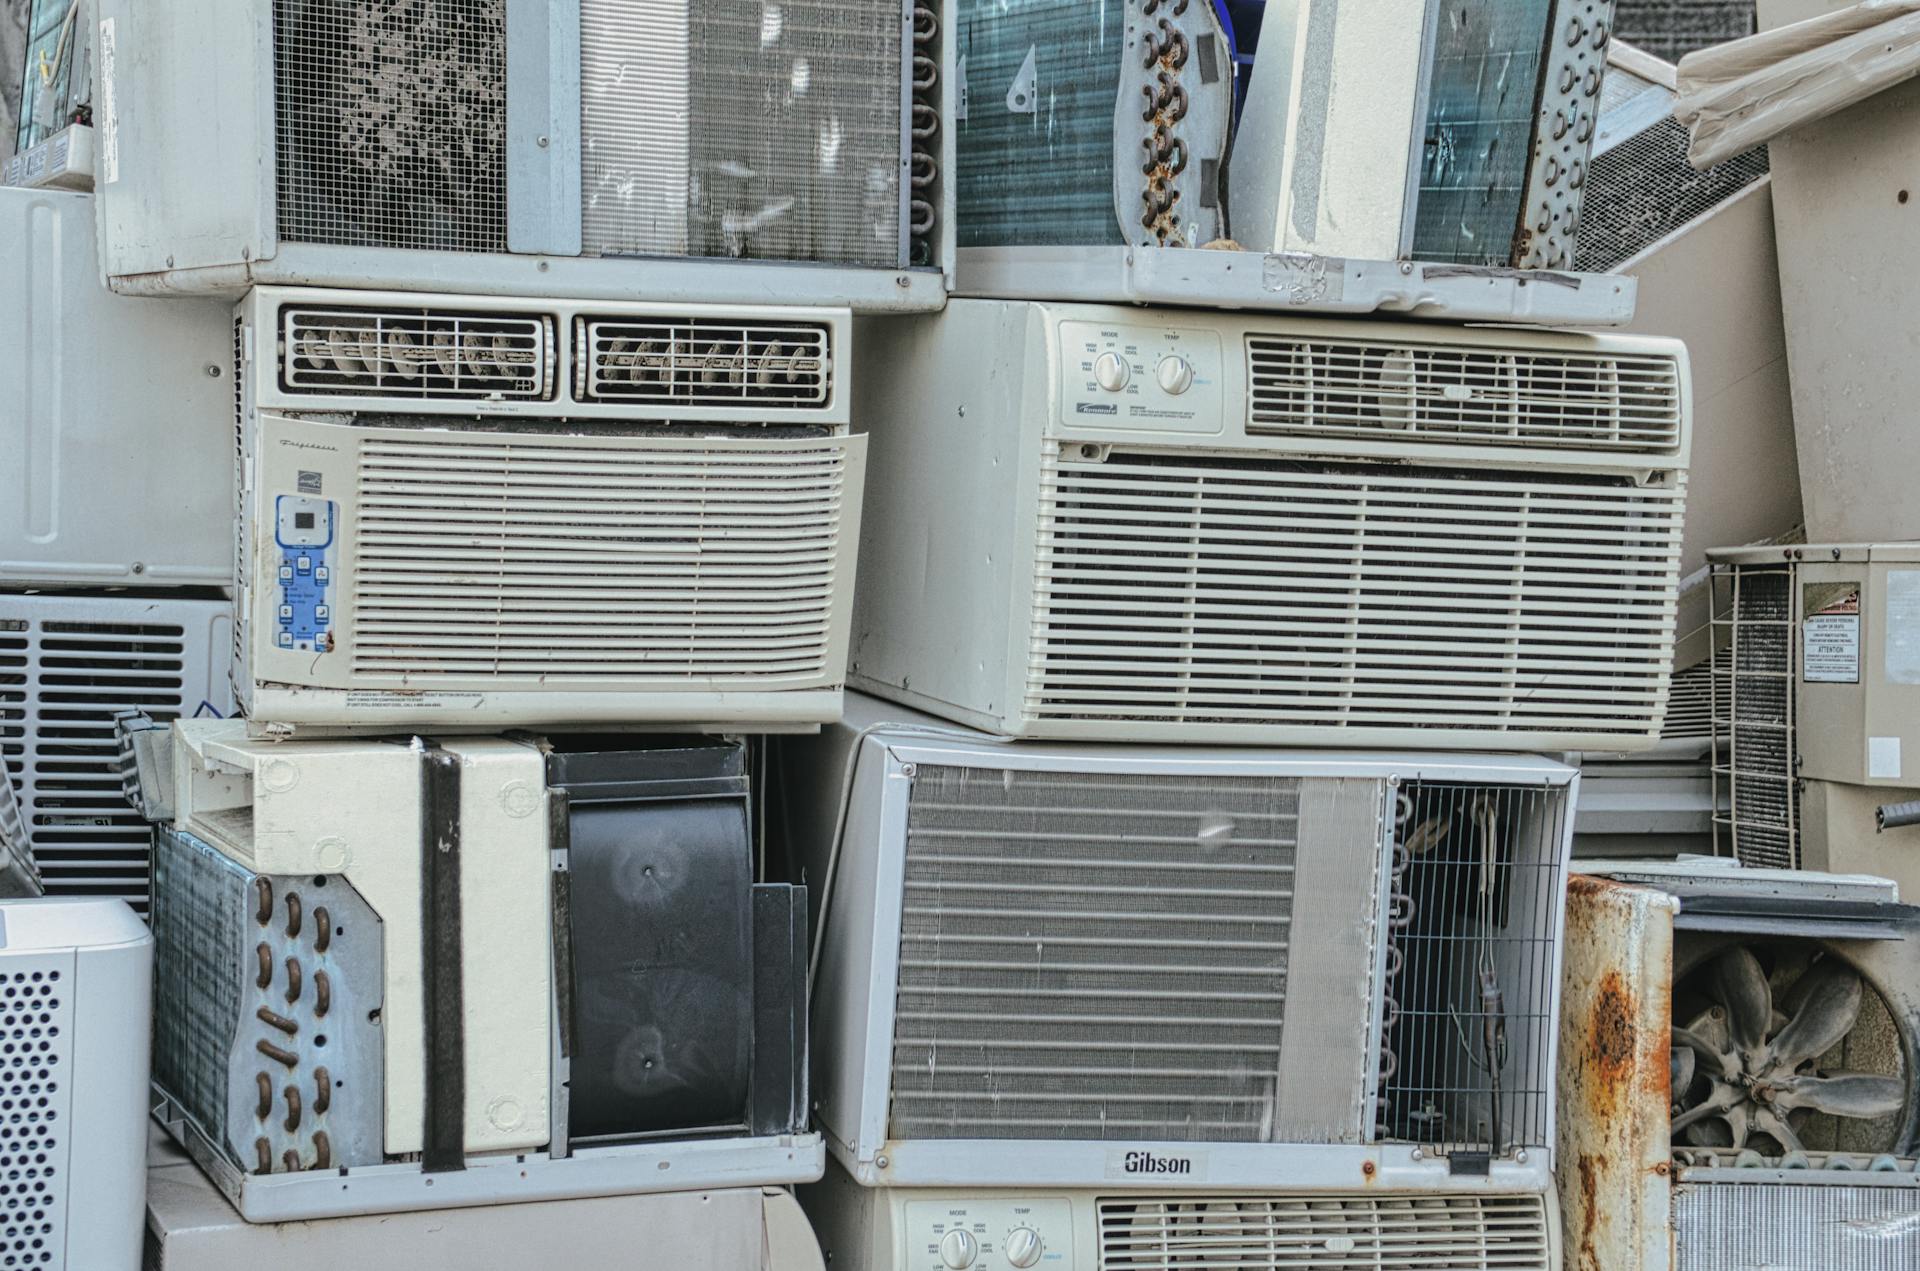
(1615, 1155)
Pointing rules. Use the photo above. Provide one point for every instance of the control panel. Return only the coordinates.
(1154, 379)
(303, 530)
(966, 1234)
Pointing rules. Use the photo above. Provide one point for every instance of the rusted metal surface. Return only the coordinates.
(1615, 1155)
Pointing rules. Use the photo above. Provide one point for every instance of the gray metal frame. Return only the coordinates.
(543, 104)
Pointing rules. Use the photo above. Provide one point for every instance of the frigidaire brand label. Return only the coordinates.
(1132, 1162)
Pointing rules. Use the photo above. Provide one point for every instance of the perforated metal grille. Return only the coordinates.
(36, 1093)
(500, 559)
(732, 130)
(390, 123)
(417, 353)
(1644, 189)
(1473, 932)
(1210, 589)
(1094, 957)
(1455, 393)
(1756, 794)
(701, 360)
(1832, 1224)
(61, 681)
(1379, 1233)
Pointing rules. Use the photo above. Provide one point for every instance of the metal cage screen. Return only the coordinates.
(1756, 795)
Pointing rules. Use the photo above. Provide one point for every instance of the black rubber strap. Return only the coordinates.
(446, 1039)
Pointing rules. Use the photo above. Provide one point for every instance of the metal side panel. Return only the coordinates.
(183, 99)
(1615, 1009)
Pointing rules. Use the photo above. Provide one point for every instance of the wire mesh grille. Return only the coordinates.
(390, 123)
(1473, 937)
(36, 1072)
(1756, 792)
(1643, 189)
(1094, 957)
(733, 130)
(1379, 1233)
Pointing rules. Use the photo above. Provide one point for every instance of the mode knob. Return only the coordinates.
(1110, 371)
(1023, 1246)
(1175, 375)
(958, 1249)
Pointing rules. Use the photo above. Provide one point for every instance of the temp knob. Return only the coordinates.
(1175, 375)
(958, 1248)
(1023, 1246)
(1110, 371)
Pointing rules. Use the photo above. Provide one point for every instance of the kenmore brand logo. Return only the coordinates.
(1148, 1163)
(1096, 408)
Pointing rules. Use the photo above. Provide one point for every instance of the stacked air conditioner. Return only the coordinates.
(474, 513)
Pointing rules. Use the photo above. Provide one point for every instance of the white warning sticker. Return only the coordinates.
(1903, 626)
(1830, 634)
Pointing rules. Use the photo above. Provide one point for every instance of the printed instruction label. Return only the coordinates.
(388, 700)
(1830, 633)
(1903, 626)
(1883, 758)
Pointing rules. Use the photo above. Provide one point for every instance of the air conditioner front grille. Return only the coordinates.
(503, 561)
(421, 354)
(1376, 1232)
(390, 123)
(61, 683)
(1088, 957)
(1218, 590)
(1456, 393)
(701, 361)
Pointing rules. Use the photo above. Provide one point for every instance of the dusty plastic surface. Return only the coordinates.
(1742, 94)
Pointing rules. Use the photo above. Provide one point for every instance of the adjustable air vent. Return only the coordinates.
(1473, 394)
(1263, 591)
(1381, 1233)
(699, 361)
(420, 354)
(514, 561)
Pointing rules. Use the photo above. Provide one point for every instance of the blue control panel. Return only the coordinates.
(304, 531)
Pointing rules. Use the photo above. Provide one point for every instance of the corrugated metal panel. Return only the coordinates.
(1203, 588)
(1375, 1232)
(1463, 393)
(503, 561)
(769, 132)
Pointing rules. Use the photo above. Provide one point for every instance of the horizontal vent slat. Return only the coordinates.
(418, 354)
(703, 361)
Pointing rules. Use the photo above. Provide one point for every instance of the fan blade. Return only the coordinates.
(1719, 1061)
(1767, 1121)
(1715, 1104)
(1828, 1011)
(1742, 988)
(1680, 1066)
(1844, 1094)
(1739, 1119)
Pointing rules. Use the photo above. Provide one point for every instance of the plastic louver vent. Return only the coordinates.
(1255, 591)
(36, 1065)
(1042, 996)
(1379, 1233)
(698, 361)
(504, 561)
(416, 353)
(1437, 392)
(60, 686)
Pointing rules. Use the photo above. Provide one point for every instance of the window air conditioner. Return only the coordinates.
(1127, 1006)
(692, 152)
(68, 665)
(399, 975)
(1176, 525)
(477, 513)
(76, 991)
(1397, 155)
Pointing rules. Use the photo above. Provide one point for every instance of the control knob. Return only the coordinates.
(958, 1248)
(1023, 1246)
(1175, 375)
(1110, 371)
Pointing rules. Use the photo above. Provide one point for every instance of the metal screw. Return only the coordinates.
(1419, 1155)
(213, 371)
(1406, 267)
(909, 769)
(881, 1161)
(1520, 1156)
(543, 143)
(139, 567)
